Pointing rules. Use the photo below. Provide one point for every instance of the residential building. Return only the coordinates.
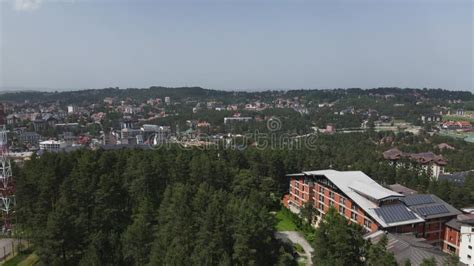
(71, 109)
(234, 119)
(466, 249)
(445, 146)
(431, 118)
(44, 120)
(109, 100)
(457, 125)
(31, 138)
(431, 163)
(459, 238)
(129, 133)
(52, 145)
(363, 201)
(408, 247)
(12, 119)
(330, 129)
(155, 135)
(456, 177)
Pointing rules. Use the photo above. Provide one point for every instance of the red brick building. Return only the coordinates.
(452, 233)
(363, 201)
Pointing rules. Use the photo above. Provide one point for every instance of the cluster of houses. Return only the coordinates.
(432, 164)
(465, 126)
(41, 127)
(254, 105)
(53, 127)
(461, 124)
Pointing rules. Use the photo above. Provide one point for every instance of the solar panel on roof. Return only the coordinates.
(395, 213)
(432, 210)
(418, 200)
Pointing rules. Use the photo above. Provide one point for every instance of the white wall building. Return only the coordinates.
(71, 109)
(466, 247)
(52, 145)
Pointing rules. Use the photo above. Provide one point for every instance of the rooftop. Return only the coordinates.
(407, 246)
(456, 223)
(422, 158)
(430, 206)
(456, 177)
(368, 195)
(402, 189)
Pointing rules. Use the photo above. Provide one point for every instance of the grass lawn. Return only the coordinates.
(457, 118)
(284, 222)
(298, 248)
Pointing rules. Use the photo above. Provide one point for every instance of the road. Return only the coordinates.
(6, 245)
(296, 238)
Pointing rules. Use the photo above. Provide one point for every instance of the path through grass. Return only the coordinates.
(284, 222)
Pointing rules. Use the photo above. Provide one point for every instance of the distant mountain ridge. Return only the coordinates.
(197, 93)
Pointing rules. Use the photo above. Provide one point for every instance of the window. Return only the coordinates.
(331, 203)
(367, 223)
(469, 247)
(321, 189)
(451, 249)
(468, 257)
(321, 198)
(354, 207)
(331, 194)
(342, 201)
(342, 210)
(354, 216)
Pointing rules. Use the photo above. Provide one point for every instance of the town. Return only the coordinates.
(67, 121)
(406, 184)
(236, 133)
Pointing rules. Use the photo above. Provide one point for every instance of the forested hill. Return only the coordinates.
(198, 93)
(93, 95)
(174, 206)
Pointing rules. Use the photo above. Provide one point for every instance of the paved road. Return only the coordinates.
(6, 247)
(296, 238)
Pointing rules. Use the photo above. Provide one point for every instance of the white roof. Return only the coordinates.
(359, 187)
(46, 142)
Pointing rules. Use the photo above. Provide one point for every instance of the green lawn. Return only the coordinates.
(298, 248)
(457, 118)
(284, 222)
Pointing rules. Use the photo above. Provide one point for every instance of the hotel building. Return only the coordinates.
(363, 201)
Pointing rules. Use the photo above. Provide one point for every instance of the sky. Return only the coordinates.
(236, 44)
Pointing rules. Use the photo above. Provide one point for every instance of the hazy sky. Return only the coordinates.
(236, 44)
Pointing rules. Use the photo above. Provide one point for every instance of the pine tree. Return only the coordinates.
(138, 237)
(175, 229)
(337, 242)
(378, 255)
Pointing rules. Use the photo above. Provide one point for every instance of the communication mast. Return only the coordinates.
(7, 185)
